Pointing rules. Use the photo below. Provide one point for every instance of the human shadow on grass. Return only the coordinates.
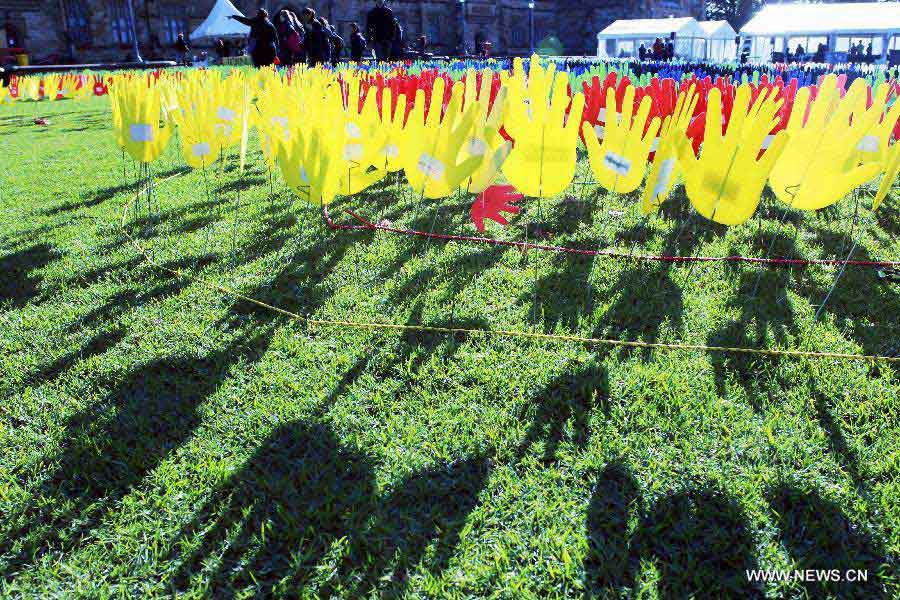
(19, 283)
(272, 529)
(698, 538)
(818, 535)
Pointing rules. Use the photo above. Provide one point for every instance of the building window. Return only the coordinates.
(517, 37)
(433, 28)
(78, 23)
(121, 29)
(175, 20)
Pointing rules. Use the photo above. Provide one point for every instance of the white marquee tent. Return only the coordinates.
(719, 40)
(780, 27)
(693, 39)
(218, 25)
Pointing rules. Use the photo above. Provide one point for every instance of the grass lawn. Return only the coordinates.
(158, 436)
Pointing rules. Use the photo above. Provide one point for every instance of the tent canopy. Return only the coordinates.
(686, 27)
(823, 19)
(218, 25)
(718, 30)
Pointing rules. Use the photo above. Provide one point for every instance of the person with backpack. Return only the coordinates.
(335, 41)
(263, 38)
(357, 43)
(317, 39)
(289, 38)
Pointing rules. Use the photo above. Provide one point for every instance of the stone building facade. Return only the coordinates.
(99, 30)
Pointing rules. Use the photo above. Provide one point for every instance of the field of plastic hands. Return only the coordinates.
(336, 132)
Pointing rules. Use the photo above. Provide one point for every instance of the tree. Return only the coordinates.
(736, 12)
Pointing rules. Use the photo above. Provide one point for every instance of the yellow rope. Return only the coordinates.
(500, 332)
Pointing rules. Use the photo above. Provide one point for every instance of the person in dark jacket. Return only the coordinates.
(642, 52)
(263, 37)
(334, 39)
(317, 39)
(181, 50)
(398, 45)
(380, 28)
(422, 48)
(357, 43)
(288, 38)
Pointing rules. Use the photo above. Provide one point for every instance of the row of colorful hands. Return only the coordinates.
(832, 142)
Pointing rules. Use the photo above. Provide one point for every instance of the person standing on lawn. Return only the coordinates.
(357, 43)
(181, 50)
(317, 38)
(380, 27)
(263, 38)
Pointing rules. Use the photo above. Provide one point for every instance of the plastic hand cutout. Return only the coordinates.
(874, 145)
(200, 146)
(665, 169)
(142, 129)
(542, 161)
(364, 135)
(724, 184)
(313, 160)
(486, 141)
(433, 146)
(491, 202)
(891, 170)
(819, 164)
(392, 123)
(619, 162)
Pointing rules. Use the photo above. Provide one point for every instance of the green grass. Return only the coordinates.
(159, 437)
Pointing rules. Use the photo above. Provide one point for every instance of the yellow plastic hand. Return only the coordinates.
(891, 170)
(313, 159)
(874, 145)
(542, 161)
(619, 162)
(141, 125)
(665, 169)
(364, 135)
(392, 125)
(432, 146)
(724, 184)
(485, 141)
(200, 145)
(819, 164)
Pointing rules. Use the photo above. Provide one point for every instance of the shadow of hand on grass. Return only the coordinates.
(303, 516)
(818, 535)
(698, 539)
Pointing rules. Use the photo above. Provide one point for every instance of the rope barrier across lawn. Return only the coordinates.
(781, 262)
(469, 332)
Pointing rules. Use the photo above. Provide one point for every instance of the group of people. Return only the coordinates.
(291, 39)
(308, 38)
(857, 54)
(660, 51)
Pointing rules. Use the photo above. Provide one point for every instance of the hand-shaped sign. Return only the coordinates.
(141, 127)
(819, 164)
(619, 162)
(665, 167)
(433, 145)
(491, 202)
(486, 141)
(314, 160)
(891, 170)
(200, 145)
(393, 119)
(724, 184)
(542, 162)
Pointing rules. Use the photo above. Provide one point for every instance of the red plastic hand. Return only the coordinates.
(491, 202)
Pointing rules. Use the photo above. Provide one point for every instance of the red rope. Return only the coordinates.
(783, 262)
